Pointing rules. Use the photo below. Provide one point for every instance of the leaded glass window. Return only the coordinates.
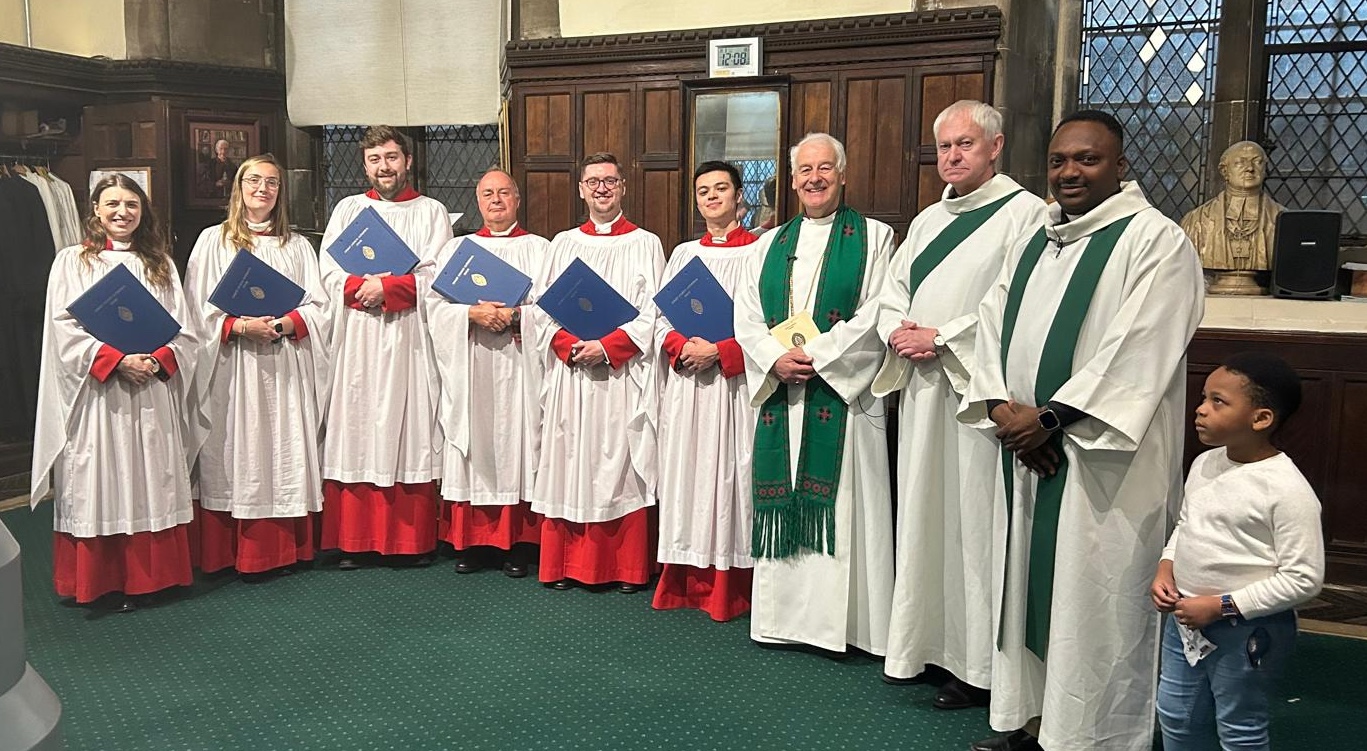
(1151, 63)
(455, 158)
(342, 167)
(1316, 105)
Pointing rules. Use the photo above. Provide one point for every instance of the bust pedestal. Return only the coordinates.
(1229, 282)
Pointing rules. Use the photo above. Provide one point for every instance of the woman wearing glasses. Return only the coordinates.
(260, 383)
(111, 424)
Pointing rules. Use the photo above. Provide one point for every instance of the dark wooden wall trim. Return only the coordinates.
(31, 74)
(979, 26)
(1327, 437)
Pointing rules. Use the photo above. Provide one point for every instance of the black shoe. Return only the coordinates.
(959, 695)
(348, 563)
(126, 605)
(1015, 741)
(468, 565)
(627, 588)
(562, 585)
(514, 570)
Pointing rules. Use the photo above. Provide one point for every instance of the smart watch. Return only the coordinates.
(1049, 420)
(1228, 609)
(279, 325)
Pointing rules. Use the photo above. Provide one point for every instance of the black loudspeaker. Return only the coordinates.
(1305, 256)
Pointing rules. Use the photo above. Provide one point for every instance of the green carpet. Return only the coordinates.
(428, 659)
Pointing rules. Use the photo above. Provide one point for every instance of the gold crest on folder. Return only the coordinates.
(368, 252)
(125, 314)
(585, 305)
(258, 293)
(696, 305)
(479, 280)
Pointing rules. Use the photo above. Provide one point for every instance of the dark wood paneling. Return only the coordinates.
(660, 121)
(660, 205)
(875, 134)
(811, 104)
(607, 124)
(548, 125)
(1325, 437)
(548, 199)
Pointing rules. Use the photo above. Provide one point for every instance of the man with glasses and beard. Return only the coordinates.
(382, 450)
(595, 479)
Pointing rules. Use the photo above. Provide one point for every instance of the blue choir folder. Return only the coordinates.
(251, 287)
(696, 305)
(122, 313)
(474, 274)
(584, 304)
(370, 246)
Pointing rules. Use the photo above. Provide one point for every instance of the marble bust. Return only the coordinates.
(1233, 232)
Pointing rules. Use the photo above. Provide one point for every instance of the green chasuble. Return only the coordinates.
(793, 516)
(1055, 368)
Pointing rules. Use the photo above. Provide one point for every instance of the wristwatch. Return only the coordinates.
(156, 365)
(1049, 420)
(939, 342)
(1228, 609)
(279, 325)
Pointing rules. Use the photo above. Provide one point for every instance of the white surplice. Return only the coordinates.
(597, 459)
(382, 425)
(707, 435)
(950, 530)
(1124, 478)
(490, 386)
(812, 598)
(119, 453)
(264, 402)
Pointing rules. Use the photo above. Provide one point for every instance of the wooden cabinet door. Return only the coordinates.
(933, 91)
(663, 204)
(877, 144)
(543, 158)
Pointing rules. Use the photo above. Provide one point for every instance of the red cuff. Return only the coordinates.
(106, 360)
(730, 358)
(618, 347)
(227, 331)
(349, 290)
(400, 292)
(561, 344)
(673, 346)
(301, 329)
(167, 358)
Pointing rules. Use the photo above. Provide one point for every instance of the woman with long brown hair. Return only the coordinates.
(261, 382)
(112, 426)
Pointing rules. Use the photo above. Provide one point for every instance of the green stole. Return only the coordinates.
(792, 516)
(951, 237)
(1055, 368)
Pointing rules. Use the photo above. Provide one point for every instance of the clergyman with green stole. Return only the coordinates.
(822, 532)
(1081, 374)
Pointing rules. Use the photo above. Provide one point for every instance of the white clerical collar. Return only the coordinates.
(509, 231)
(820, 221)
(259, 226)
(1128, 202)
(997, 187)
(605, 228)
(121, 244)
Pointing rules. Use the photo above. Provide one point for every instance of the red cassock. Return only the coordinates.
(136, 564)
(252, 546)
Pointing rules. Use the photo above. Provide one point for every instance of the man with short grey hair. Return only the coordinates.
(806, 316)
(949, 530)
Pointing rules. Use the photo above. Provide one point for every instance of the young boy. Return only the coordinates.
(1246, 550)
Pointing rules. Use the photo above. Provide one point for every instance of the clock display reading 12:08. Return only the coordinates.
(733, 56)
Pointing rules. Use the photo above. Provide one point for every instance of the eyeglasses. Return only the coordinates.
(607, 182)
(256, 181)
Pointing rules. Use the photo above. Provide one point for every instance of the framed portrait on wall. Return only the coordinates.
(216, 149)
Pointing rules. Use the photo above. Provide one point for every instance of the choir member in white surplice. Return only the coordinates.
(822, 508)
(707, 427)
(262, 383)
(595, 478)
(1081, 369)
(490, 394)
(382, 450)
(950, 530)
(114, 427)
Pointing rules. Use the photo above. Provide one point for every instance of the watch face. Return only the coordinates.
(1048, 420)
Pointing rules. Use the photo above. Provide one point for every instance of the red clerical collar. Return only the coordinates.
(407, 194)
(734, 239)
(619, 227)
(517, 232)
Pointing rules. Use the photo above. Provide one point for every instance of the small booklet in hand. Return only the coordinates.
(370, 246)
(797, 331)
(250, 287)
(475, 275)
(696, 304)
(585, 304)
(119, 311)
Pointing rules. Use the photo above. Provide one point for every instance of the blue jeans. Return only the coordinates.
(1227, 693)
